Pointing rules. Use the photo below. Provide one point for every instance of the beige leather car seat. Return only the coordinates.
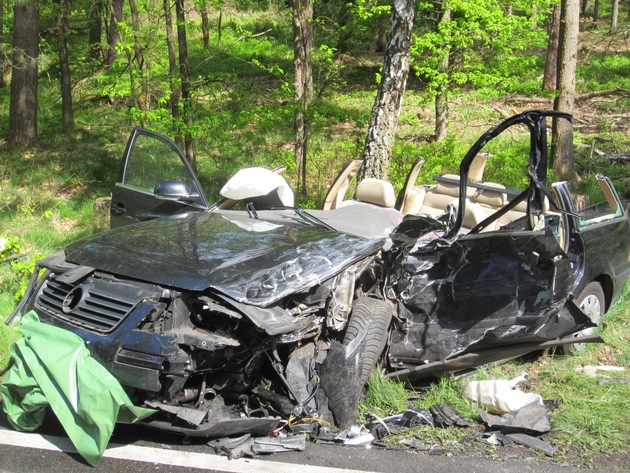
(379, 194)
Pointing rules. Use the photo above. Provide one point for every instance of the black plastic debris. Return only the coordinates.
(412, 418)
(532, 442)
(249, 447)
(444, 415)
(521, 426)
(530, 419)
(415, 443)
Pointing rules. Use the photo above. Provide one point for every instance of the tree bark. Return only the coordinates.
(384, 118)
(95, 30)
(135, 23)
(184, 71)
(303, 63)
(614, 19)
(205, 26)
(562, 135)
(551, 64)
(172, 72)
(441, 98)
(141, 97)
(113, 35)
(24, 86)
(219, 27)
(2, 82)
(381, 37)
(62, 10)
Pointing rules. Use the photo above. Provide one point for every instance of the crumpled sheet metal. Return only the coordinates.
(52, 366)
(209, 250)
(477, 291)
(530, 419)
(249, 447)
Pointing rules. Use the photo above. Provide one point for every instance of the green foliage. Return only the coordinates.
(14, 251)
(484, 44)
(604, 72)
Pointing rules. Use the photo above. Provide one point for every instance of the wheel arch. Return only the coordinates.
(606, 282)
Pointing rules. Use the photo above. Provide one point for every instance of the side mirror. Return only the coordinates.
(175, 190)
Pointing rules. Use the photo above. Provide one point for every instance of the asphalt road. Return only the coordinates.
(140, 450)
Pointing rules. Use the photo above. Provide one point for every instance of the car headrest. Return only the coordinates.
(377, 192)
(496, 196)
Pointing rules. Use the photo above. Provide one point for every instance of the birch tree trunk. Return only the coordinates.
(384, 118)
(562, 135)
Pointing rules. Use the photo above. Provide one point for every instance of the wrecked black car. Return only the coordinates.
(222, 318)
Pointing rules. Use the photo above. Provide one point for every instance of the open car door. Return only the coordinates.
(155, 180)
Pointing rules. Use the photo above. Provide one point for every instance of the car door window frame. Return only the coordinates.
(123, 177)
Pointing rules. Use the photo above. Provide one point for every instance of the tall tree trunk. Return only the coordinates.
(135, 23)
(205, 26)
(614, 20)
(219, 27)
(23, 103)
(113, 35)
(303, 63)
(562, 135)
(2, 82)
(441, 98)
(381, 37)
(95, 30)
(551, 64)
(384, 118)
(62, 10)
(596, 10)
(184, 70)
(172, 72)
(141, 97)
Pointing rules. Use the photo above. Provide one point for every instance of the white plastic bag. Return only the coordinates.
(500, 396)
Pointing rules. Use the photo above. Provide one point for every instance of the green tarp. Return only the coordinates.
(51, 366)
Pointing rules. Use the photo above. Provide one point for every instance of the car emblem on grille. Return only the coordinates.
(72, 300)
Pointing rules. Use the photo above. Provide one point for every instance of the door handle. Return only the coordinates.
(118, 209)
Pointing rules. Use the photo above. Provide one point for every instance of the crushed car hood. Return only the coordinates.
(250, 260)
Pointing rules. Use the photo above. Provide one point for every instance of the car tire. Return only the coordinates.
(593, 302)
(374, 317)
